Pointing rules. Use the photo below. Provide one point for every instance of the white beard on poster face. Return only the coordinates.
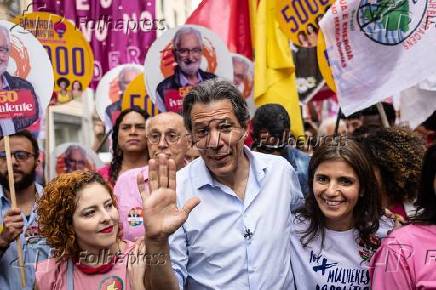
(189, 67)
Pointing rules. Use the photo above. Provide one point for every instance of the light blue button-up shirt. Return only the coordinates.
(227, 243)
(34, 249)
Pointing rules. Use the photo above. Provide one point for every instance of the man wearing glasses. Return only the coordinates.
(239, 203)
(23, 88)
(166, 134)
(188, 52)
(20, 221)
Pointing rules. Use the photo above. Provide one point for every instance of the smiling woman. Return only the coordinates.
(335, 234)
(78, 216)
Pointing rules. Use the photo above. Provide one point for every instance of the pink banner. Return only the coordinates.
(119, 31)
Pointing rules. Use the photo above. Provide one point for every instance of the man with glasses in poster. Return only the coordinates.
(188, 52)
(20, 221)
(26, 106)
(239, 203)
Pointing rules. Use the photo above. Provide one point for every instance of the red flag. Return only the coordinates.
(230, 19)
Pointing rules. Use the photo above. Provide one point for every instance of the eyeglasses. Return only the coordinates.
(19, 155)
(75, 162)
(186, 51)
(170, 138)
(227, 132)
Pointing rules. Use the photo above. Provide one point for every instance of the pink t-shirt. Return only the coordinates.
(105, 173)
(406, 260)
(53, 276)
(130, 203)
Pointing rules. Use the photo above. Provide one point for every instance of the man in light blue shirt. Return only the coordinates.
(21, 221)
(238, 235)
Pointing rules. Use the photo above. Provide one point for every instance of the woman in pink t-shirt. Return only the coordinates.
(407, 257)
(78, 215)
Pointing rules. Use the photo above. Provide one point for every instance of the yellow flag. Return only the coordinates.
(274, 77)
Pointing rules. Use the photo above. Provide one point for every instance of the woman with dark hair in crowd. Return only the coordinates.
(407, 258)
(396, 155)
(129, 146)
(78, 216)
(335, 234)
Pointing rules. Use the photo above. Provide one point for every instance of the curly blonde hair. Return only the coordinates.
(56, 207)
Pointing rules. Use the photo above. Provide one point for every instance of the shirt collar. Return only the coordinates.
(203, 176)
(5, 83)
(184, 81)
(39, 191)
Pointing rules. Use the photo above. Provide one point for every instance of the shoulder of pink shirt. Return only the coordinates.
(128, 179)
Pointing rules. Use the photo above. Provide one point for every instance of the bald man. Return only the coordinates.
(166, 134)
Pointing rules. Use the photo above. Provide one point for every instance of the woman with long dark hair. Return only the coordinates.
(338, 230)
(407, 258)
(129, 146)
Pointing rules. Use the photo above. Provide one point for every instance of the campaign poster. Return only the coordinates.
(26, 79)
(181, 58)
(70, 157)
(69, 52)
(110, 90)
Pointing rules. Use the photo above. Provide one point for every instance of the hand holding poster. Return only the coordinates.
(378, 48)
(186, 56)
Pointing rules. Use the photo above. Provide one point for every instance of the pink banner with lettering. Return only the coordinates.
(119, 31)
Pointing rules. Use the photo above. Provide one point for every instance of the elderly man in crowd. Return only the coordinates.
(166, 134)
(238, 235)
(188, 52)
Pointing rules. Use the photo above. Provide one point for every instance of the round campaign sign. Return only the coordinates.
(111, 88)
(323, 63)
(185, 56)
(69, 52)
(243, 79)
(69, 157)
(136, 95)
(26, 79)
(299, 19)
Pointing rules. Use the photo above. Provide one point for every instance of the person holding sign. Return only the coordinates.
(19, 106)
(188, 52)
(21, 221)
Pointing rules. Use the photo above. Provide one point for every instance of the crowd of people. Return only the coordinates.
(187, 204)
